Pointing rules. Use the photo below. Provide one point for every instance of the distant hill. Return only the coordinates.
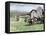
(18, 13)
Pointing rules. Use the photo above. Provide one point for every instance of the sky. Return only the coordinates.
(23, 7)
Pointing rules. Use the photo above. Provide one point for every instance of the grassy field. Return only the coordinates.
(16, 26)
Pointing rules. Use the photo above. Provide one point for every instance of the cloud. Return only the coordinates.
(23, 7)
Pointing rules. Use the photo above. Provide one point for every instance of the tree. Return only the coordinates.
(17, 17)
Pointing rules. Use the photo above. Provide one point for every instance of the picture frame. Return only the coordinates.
(7, 16)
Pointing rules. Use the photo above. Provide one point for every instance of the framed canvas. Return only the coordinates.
(21, 17)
